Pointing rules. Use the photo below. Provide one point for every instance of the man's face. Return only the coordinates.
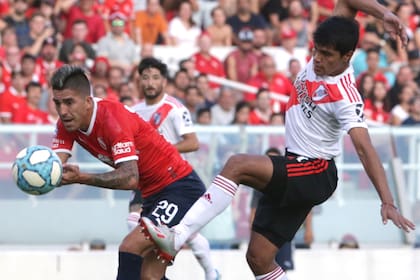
(152, 83)
(73, 109)
(328, 61)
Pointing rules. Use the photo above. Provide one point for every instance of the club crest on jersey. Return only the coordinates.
(157, 118)
(319, 93)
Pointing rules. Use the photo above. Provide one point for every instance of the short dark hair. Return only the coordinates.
(340, 33)
(71, 77)
(32, 84)
(151, 62)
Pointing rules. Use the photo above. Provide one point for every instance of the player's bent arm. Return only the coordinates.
(371, 163)
(189, 143)
(124, 177)
(392, 24)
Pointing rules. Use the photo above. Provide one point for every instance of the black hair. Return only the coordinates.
(28, 56)
(151, 62)
(71, 77)
(202, 111)
(32, 84)
(261, 90)
(340, 33)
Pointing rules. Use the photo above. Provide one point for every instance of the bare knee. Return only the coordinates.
(259, 262)
(235, 167)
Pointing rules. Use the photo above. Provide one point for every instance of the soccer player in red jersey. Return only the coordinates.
(325, 102)
(141, 158)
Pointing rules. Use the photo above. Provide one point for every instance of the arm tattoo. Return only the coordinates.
(124, 177)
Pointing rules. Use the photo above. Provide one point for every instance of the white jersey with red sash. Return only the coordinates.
(169, 116)
(116, 134)
(319, 110)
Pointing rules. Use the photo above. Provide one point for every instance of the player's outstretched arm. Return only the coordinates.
(392, 23)
(124, 177)
(374, 169)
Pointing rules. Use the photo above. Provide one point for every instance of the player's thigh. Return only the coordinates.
(135, 242)
(251, 170)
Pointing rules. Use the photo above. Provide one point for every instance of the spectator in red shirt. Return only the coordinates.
(29, 73)
(12, 100)
(261, 113)
(30, 113)
(205, 62)
(84, 9)
(126, 7)
(274, 81)
(10, 64)
(377, 104)
(372, 61)
(242, 63)
(8, 39)
(47, 61)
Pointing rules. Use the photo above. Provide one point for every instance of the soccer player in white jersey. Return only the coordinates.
(173, 120)
(324, 103)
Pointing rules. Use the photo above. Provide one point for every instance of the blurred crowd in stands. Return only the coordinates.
(110, 37)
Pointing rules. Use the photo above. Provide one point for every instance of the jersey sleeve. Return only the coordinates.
(182, 121)
(62, 141)
(350, 114)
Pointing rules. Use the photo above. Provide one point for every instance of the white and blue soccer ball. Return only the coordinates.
(37, 170)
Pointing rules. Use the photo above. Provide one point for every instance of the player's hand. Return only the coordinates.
(71, 174)
(390, 212)
(394, 27)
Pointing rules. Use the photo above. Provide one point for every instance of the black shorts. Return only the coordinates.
(298, 183)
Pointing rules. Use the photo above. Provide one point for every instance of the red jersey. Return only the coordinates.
(28, 115)
(278, 84)
(375, 113)
(117, 134)
(257, 118)
(126, 7)
(209, 65)
(10, 103)
(94, 22)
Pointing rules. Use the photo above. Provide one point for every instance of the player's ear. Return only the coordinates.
(348, 56)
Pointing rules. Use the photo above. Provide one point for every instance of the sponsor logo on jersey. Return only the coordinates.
(306, 103)
(122, 148)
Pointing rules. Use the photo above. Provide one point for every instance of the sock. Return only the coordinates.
(129, 266)
(276, 274)
(133, 220)
(217, 197)
(201, 250)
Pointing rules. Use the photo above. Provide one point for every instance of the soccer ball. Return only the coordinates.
(37, 170)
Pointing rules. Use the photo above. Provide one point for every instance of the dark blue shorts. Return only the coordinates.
(170, 205)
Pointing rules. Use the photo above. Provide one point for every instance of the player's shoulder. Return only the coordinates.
(175, 103)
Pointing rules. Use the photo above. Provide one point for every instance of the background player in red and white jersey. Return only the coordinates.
(141, 158)
(173, 120)
(325, 102)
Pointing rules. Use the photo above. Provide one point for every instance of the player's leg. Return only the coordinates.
(260, 257)
(134, 210)
(201, 249)
(130, 255)
(153, 268)
(250, 170)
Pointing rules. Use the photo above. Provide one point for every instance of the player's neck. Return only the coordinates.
(154, 101)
